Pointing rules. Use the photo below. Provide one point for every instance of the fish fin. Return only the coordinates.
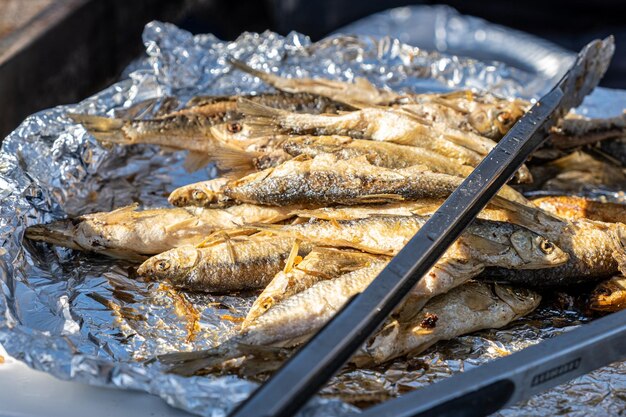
(257, 110)
(121, 214)
(195, 161)
(183, 224)
(486, 246)
(528, 216)
(293, 254)
(104, 129)
(235, 161)
(380, 198)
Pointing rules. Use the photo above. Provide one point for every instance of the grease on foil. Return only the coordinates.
(89, 319)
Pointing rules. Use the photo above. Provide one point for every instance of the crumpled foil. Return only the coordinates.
(88, 318)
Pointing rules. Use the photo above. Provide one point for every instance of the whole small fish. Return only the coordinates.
(326, 180)
(320, 264)
(379, 124)
(466, 309)
(126, 233)
(609, 295)
(575, 208)
(492, 243)
(230, 264)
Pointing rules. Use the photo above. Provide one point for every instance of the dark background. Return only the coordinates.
(75, 48)
(568, 23)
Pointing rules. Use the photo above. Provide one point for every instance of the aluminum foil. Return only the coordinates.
(88, 318)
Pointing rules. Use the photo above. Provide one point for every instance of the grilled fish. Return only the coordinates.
(574, 208)
(230, 264)
(492, 243)
(466, 309)
(126, 233)
(326, 180)
(320, 264)
(609, 295)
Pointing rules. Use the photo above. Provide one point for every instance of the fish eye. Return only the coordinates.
(546, 247)
(234, 127)
(199, 195)
(504, 117)
(163, 265)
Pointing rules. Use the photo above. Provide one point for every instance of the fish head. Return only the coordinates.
(521, 300)
(172, 265)
(496, 121)
(192, 195)
(536, 251)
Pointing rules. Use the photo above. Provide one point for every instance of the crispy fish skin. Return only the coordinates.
(492, 243)
(320, 264)
(575, 208)
(325, 180)
(233, 264)
(382, 154)
(595, 250)
(466, 309)
(126, 233)
(315, 182)
(609, 296)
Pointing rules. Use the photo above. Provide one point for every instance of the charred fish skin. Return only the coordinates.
(595, 249)
(319, 265)
(237, 264)
(489, 242)
(468, 308)
(609, 296)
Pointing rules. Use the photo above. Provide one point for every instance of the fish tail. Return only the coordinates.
(104, 129)
(258, 110)
(242, 66)
(58, 233)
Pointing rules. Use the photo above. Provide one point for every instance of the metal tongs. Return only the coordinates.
(487, 388)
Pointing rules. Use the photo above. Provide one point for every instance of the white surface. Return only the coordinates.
(28, 393)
